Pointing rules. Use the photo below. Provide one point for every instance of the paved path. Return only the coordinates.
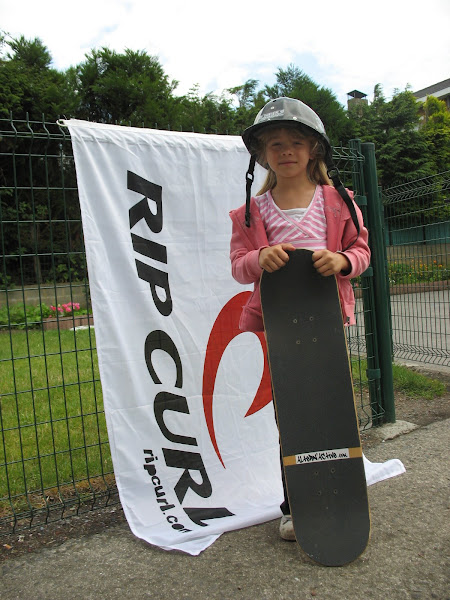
(407, 557)
(420, 327)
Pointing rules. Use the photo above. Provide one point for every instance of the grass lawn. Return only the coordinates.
(52, 424)
(405, 380)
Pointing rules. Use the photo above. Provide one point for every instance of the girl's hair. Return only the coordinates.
(316, 169)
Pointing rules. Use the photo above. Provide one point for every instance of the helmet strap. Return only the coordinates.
(334, 175)
(249, 178)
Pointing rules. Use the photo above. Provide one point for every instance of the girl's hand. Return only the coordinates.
(330, 263)
(273, 258)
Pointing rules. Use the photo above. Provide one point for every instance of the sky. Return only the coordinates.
(345, 45)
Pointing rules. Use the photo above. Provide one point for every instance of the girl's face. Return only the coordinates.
(288, 153)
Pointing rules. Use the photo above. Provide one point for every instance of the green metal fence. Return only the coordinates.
(54, 451)
(417, 236)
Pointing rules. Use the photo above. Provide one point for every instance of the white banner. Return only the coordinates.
(188, 463)
(187, 396)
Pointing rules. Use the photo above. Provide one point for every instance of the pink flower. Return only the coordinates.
(66, 308)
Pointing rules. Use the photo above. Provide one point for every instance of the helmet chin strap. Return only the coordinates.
(334, 175)
(249, 178)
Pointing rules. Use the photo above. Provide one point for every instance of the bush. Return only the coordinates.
(21, 317)
(422, 272)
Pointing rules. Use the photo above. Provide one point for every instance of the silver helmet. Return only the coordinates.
(284, 110)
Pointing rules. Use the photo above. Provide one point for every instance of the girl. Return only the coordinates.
(296, 208)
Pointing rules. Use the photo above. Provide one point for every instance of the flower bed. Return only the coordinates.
(66, 316)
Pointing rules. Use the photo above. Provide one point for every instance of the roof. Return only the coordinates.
(356, 94)
(442, 86)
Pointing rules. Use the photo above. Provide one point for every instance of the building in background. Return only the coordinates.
(356, 98)
(438, 90)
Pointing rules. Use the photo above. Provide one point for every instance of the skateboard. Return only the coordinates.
(315, 409)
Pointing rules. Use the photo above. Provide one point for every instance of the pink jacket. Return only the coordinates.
(246, 242)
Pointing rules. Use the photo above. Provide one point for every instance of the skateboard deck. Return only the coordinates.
(316, 413)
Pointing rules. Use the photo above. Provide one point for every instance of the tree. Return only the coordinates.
(250, 101)
(129, 88)
(400, 145)
(207, 114)
(29, 89)
(31, 53)
(28, 84)
(436, 129)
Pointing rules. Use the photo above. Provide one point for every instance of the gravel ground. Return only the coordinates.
(419, 411)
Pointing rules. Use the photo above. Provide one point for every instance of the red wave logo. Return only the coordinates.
(225, 329)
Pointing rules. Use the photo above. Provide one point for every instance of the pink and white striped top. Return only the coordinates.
(302, 227)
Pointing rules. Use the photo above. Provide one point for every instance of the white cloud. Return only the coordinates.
(351, 44)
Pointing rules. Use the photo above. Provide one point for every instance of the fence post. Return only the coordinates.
(381, 288)
(373, 371)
